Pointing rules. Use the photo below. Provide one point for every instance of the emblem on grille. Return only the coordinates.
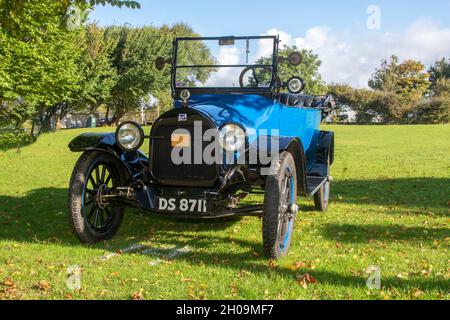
(182, 117)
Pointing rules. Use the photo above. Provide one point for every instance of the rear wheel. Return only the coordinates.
(280, 208)
(92, 218)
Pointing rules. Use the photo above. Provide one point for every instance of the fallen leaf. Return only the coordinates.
(9, 283)
(44, 286)
(138, 295)
(305, 280)
(234, 289)
(416, 293)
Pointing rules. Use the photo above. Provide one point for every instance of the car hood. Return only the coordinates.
(253, 112)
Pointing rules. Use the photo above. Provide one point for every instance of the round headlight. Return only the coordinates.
(296, 85)
(130, 136)
(232, 137)
(185, 95)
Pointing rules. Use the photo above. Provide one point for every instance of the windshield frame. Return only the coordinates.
(211, 90)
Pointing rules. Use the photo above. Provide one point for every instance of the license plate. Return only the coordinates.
(180, 140)
(175, 205)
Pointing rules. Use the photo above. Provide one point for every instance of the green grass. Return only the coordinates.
(390, 208)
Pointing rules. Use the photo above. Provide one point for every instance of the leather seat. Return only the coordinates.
(302, 100)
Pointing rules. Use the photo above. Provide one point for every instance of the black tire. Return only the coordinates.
(322, 197)
(93, 222)
(278, 216)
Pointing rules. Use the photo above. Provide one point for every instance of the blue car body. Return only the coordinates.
(256, 113)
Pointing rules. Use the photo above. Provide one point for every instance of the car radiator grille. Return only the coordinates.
(168, 173)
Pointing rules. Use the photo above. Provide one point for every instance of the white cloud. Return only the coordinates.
(347, 59)
(225, 76)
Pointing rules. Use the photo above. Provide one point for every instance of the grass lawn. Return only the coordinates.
(391, 199)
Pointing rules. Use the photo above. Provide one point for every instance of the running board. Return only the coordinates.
(313, 184)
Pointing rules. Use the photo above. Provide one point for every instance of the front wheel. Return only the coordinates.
(91, 217)
(280, 208)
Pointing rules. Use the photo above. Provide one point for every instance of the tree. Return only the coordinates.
(43, 73)
(368, 105)
(98, 75)
(439, 72)
(408, 80)
(435, 110)
(191, 53)
(134, 56)
(118, 3)
(308, 70)
(442, 88)
(133, 59)
(436, 107)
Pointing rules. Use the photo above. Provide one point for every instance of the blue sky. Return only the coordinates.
(336, 30)
(211, 17)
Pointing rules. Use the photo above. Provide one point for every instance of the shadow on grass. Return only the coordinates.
(351, 233)
(41, 215)
(245, 260)
(409, 193)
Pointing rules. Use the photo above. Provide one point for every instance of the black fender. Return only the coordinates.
(295, 147)
(134, 163)
(321, 148)
(326, 145)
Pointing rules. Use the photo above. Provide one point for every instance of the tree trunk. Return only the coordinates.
(46, 124)
(116, 118)
(32, 128)
(107, 115)
(118, 114)
(46, 115)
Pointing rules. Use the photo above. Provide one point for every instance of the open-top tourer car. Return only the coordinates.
(232, 132)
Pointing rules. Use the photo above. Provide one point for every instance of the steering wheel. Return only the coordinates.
(255, 77)
(243, 73)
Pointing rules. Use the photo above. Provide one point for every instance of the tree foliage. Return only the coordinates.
(98, 74)
(434, 110)
(439, 76)
(407, 79)
(308, 70)
(43, 70)
(191, 53)
(133, 58)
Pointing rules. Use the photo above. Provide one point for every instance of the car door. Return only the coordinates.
(299, 122)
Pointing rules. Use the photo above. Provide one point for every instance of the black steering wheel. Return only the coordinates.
(243, 73)
(255, 77)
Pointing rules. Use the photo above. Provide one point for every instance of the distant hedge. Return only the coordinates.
(14, 139)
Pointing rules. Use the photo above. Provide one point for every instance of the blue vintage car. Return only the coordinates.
(232, 132)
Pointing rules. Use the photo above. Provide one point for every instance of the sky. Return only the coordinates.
(351, 37)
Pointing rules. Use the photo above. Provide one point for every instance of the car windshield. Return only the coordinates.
(225, 62)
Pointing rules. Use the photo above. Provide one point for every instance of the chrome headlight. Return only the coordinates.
(296, 85)
(130, 136)
(232, 137)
